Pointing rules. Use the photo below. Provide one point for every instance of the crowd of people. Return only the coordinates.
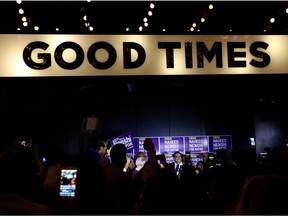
(111, 183)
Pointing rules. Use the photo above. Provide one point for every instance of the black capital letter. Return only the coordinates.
(92, 58)
(58, 55)
(169, 46)
(127, 46)
(45, 57)
(188, 55)
(203, 51)
(232, 54)
(266, 58)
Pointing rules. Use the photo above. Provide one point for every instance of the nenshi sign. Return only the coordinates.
(30, 55)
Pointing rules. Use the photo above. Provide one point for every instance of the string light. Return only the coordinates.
(202, 19)
(195, 27)
(272, 25)
(86, 19)
(145, 19)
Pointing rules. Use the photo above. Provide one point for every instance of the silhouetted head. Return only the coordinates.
(118, 154)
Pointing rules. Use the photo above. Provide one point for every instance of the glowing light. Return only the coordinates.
(24, 19)
(210, 6)
(152, 5)
(18, 1)
(150, 13)
(272, 20)
(25, 24)
(145, 19)
(21, 11)
(202, 19)
(36, 28)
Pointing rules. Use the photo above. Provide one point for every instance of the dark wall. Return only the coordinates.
(51, 110)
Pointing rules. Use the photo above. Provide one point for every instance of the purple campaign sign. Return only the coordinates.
(171, 144)
(139, 144)
(127, 140)
(219, 142)
(196, 144)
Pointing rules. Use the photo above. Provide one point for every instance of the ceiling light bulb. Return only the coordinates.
(127, 29)
(202, 19)
(145, 19)
(140, 28)
(152, 5)
(21, 11)
(272, 20)
(36, 28)
(210, 6)
(18, 1)
(194, 25)
(25, 24)
(191, 29)
(57, 29)
(24, 19)
(91, 28)
(85, 17)
(150, 13)
(145, 24)
(286, 10)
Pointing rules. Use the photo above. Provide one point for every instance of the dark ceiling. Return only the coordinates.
(112, 17)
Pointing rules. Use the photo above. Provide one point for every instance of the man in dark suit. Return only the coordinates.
(177, 165)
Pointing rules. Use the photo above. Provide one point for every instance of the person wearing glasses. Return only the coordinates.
(177, 164)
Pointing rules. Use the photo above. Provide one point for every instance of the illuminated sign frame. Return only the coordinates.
(132, 55)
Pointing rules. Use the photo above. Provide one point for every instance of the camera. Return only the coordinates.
(159, 158)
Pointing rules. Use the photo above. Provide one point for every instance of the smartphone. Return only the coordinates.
(68, 182)
(159, 158)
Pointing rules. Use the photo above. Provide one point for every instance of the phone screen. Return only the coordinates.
(68, 182)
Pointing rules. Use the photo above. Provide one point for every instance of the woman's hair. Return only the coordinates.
(264, 194)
